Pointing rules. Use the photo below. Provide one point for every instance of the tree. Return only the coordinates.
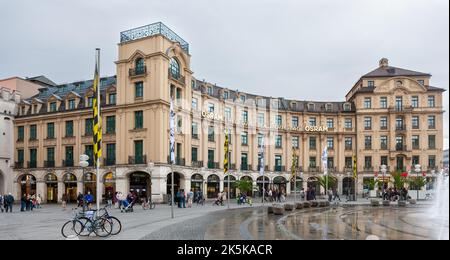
(244, 186)
(322, 180)
(399, 179)
(371, 183)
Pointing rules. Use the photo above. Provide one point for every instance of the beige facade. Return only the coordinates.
(153, 69)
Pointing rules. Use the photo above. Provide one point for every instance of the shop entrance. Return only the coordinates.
(70, 187)
(52, 188)
(140, 184)
(213, 186)
(27, 185)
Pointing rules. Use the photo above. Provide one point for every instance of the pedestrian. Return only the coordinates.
(9, 200)
(80, 200)
(183, 199)
(109, 199)
(1, 202)
(190, 196)
(23, 203)
(38, 201)
(64, 201)
(330, 194)
(88, 198)
(335, 194)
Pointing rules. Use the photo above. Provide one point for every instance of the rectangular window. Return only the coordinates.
(194, 154)
(53, 107)
(20, 133)
(371, 83)
(367, 102)
(225, 95)
(50, 157)
(242, 98)
(69, 128)
(194, 130)
(348, 123)
(399, 103)
(211, 133)
(138, 89)
(312, 161)
(368, 142)
(278, 141)
(110, 154)
(244, 162)
(278, 120)
(312, 143)
(330, 142)
(415, 160)
(210, 91)
(384, 160)
(244, 138)
(383, 142)
(399, 123)
(415, 142)
(312, 121)
(367, 123)
(210, 108)
(348, 162)
(260, 139)
(415, 122)
(69, 156)
(383, 123)
(228, 114)
(138, 152)
(278, 163)
(295, 121)
(138, 119)
(194, 104)
(330, 123)
(431, 101)
(245, 117)
(421, 82)
(261, 119)
(90, 101)
(383, 102)
(295, 142)
(33, 158)
(110, 124)
(330, 162)
(20, 156)
(33, 132)
(89, 151)
(432, 161)
(50, 130)
(415, 101)
(71, 104)
(348, 143)
(368, 162)
(88, 127)
(431, 122)
(112, 99)
(431, 141)
(211, 162)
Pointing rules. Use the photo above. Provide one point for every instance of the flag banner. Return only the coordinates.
(97, 120)
(325, 160)
(261, 151)
(354, 167)
(172, 133)
(226, 153)
(294, 164)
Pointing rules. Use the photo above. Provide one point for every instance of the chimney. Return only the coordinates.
(384, 62)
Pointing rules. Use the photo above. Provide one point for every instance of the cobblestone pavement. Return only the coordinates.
(347, 221)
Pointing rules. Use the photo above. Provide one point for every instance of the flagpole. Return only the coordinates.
(172, 155)
(99, 195)
(172, 191)
(228, 156)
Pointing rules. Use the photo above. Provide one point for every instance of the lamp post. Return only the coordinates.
(83, 164)
(301, 176)
(417, 169)
(383, 170)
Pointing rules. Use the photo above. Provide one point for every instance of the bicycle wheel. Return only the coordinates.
(71, 228)
(152, 205)
(102, 227)
(87, 228)
(116, 225)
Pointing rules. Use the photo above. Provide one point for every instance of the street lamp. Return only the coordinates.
(383, 170)
(83, 164)
(417, 169)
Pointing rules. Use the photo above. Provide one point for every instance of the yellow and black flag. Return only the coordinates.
(97, 120)
(354, 167)
(226, 153)
(294, 163)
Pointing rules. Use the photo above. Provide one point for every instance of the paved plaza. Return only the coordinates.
(352, 220)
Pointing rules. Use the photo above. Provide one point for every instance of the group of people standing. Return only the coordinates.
(6, 203)
(30, 202)
(274, 195)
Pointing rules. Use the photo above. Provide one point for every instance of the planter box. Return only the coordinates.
(278, 210)
(374, 202)
(314, 203)
(373, 193)
(401, 203)
(299, 205)
(289, 206)
(412, 201)
(270, 209)
(306, 204)
(386, 203)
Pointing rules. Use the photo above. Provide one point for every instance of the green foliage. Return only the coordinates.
(399, 181)
(244, 186)
(322, 180)
(417, 182)
(371, 183)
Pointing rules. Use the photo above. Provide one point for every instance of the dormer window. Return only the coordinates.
(35, 109)
(90, 101)
(225, 95)
(294, 106)
(210, 91)
(311, 106)
(328, 107)
(347, 107)
(53, 107)
(71, 104)
(174, 68)
(371, 83)
(421, 82)
(242, 97)
(112, 98)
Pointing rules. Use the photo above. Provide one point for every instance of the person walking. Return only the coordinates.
(1, 202)
(23, 203)
(109, 199)
(190, 196)
(335, 194)
(64, 201)
(80, 199)
(9, 201)
(88, 198)
(330, 194)
(38, 201)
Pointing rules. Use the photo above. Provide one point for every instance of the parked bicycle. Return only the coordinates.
(148, 204)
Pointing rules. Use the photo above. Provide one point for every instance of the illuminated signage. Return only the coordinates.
(309, 128)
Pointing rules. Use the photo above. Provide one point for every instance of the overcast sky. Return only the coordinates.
(308, 50)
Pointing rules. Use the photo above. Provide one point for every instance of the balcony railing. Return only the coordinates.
(400, 147)
(348, 169)
(178, 161)
(18, 165)
(348, 148)
(179, 78)
(49, 164)
(383, 127)
(368, 147)
(138, 159)
(198, 164)
(266, 167)
(368, 168)
(213, 165)
(279, 168)
(67, 163)
(400, 128)
(109, 161)
(31, 164)
(383, 147)
(416, 146)
(137, 71)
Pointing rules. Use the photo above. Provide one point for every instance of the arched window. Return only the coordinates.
(174, 68)
(139, 65)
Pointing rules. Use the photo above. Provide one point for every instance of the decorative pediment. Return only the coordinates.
(111, 89)
(73, 94)
(135, 55)
(403, 85)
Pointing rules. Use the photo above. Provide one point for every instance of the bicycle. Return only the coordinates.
(148, 204)
(92, 223)
(115, 222)
(429, 196)
(73, 227)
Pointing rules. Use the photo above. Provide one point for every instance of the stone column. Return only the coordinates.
(40, 189)
(221, 186)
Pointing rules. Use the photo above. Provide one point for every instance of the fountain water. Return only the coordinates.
(439, 211)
